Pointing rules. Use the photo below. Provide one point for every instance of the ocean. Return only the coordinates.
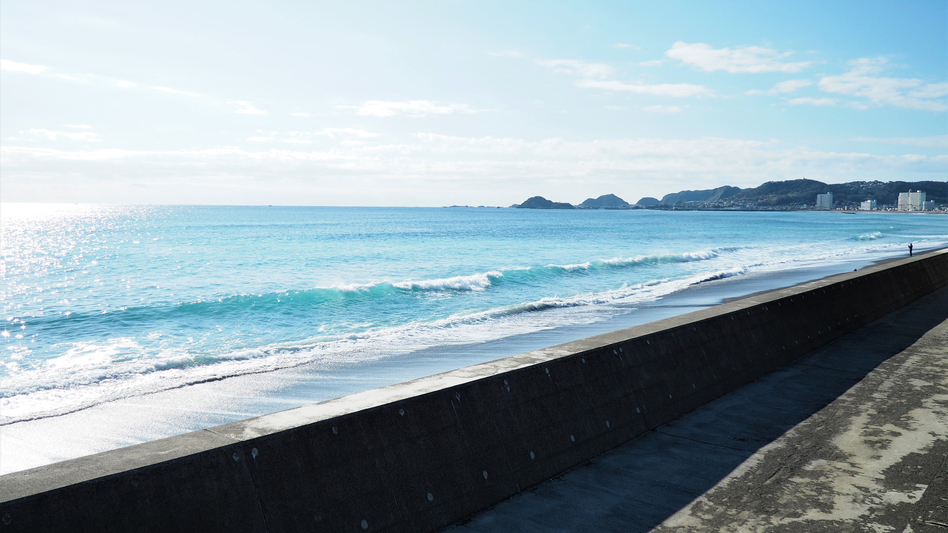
(103, 303)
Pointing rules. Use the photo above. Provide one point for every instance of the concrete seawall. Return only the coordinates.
(422, 454)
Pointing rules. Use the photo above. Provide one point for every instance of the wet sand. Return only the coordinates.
(143, 418)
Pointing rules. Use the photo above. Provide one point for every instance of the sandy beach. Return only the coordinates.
(143, 418)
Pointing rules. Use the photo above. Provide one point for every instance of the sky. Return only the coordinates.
(462, 102)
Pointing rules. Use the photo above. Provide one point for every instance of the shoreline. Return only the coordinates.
(152, 416)
(427, 453)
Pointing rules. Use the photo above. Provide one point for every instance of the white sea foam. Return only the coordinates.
(475, 282)
(446, 309)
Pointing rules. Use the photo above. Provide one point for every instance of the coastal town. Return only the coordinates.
(792, 195)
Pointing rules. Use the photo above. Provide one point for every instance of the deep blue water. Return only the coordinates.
(104, 302)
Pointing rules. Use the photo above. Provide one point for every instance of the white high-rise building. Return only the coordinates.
(912, 201)
(868, 205)
(824, 201)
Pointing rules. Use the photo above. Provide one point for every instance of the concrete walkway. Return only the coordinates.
(852, 437)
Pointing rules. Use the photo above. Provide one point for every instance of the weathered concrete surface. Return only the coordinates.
(876, 459)
(794, 451)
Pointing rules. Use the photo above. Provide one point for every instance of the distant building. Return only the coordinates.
(928, 205)
(912, 201)
(868, 205)
(824, 201)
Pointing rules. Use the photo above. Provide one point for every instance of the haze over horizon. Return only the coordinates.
(434, 104)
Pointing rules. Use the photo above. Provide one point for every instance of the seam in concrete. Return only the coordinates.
(716, 445)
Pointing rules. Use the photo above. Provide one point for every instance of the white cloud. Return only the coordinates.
(301, 114)
(507, 53)
(790, 86)
(664, 108)
(932, 90)
(934, 141)
(506, 168)
(412, 108)
(71, 135)
(487, 159)
(580, 68)
(623, 45)
(742, 59)
(906, 93)
(175, 91)
(867, 65)
(125, 84)
(783, 87)
(652, 63)
(246, 108)
(614, 107)
(337, 132)
(70, 78)
(79, 126)
(678, 90)
(21, 67)
(812, 101)
(260, 139)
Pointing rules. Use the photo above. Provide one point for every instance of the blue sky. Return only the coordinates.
(439, 103)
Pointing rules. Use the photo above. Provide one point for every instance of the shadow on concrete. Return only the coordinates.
(636, 486)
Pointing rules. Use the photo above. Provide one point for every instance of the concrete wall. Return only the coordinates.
(422, 454)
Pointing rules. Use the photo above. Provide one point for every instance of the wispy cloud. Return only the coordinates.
(862, 81)
(411, 108)
(175, 91)
(336, 132)
(812, 101)
(784, 87)
(664, 108)
(751, 59)
(125, 84)
(70, 78)
(932, 90)
(507, 53)
(434, 156)
(652, 63)
(71, 135)
(246, 109)
(624, 45)
(934, 141)
(676, 90)
(301, 114)
(21, 67)
(580, 68)
(79, 126)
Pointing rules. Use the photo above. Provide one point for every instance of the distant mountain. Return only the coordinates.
(796, 192)
(647, 201)
(606, 201)
(804, 191)
(539, 202)
(792, 192)
(887, 193)
(707, 195)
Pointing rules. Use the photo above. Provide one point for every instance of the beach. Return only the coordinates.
(147, 417)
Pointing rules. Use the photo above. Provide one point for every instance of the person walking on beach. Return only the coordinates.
(910, 249)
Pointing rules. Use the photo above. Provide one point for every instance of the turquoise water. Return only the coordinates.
(107, 302)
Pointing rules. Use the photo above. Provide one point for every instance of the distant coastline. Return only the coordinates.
(791, 195)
